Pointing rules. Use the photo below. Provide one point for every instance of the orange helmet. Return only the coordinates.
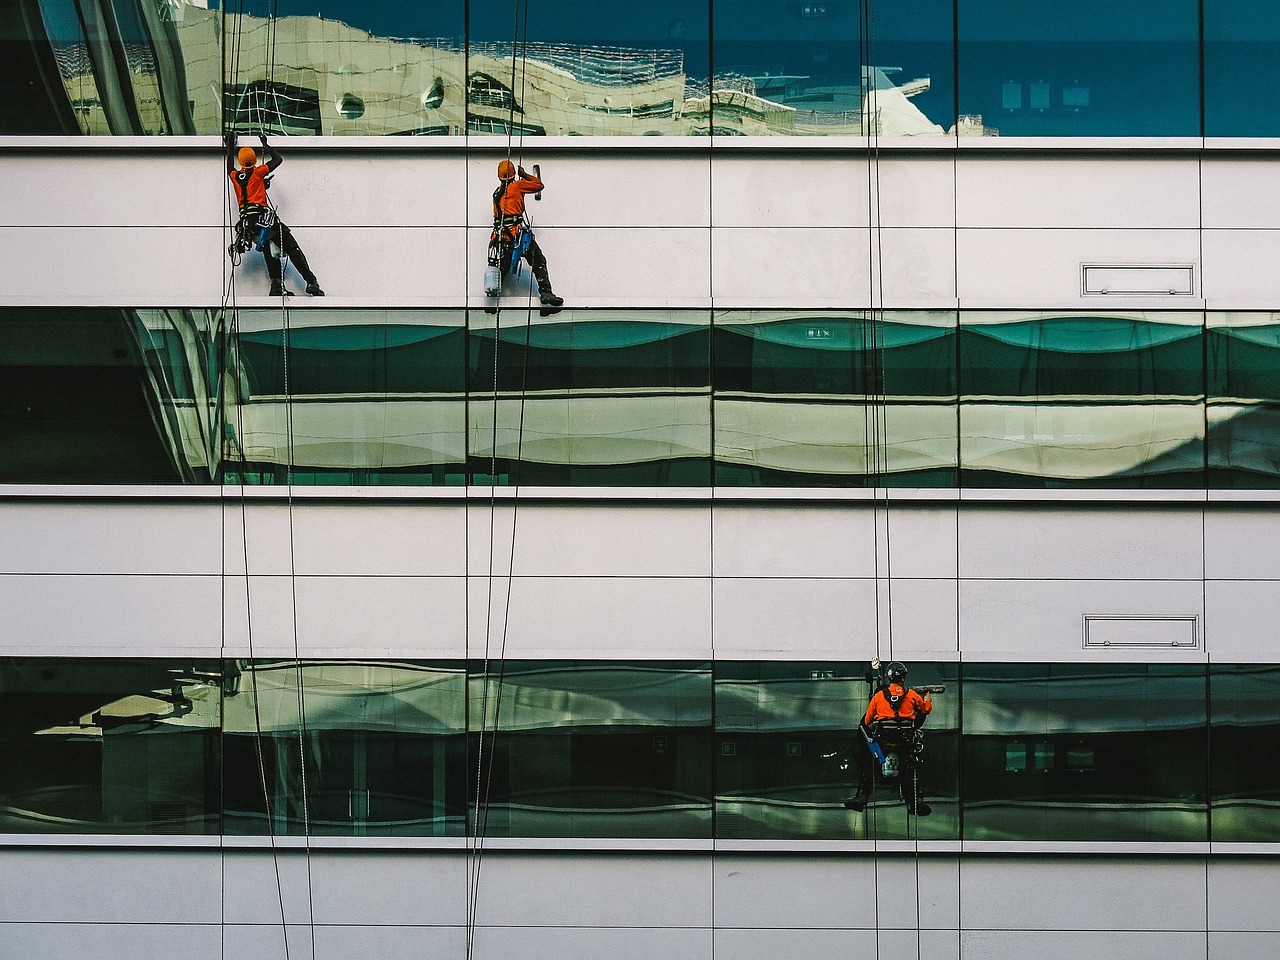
(506, 170)
(247, 157)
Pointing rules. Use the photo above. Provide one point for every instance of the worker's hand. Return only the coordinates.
(229, 140)
(263, 138)
(523, 175)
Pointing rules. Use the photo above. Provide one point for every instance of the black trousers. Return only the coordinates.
(532, 255)
(282, 237)
(866, 764)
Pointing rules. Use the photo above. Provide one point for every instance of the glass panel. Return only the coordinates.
(798, 68)
(1245, 715)
(1243, 352)
(87, 396)
(1241, 86)
(1059, 400)
(1085, 68)
(629, 69)
(372, 397)
(109, 746)
(338, 67)
(383, 748)
(592, 749)
(609, 397)
(785, 740)
(1084, 752)
(792, 405)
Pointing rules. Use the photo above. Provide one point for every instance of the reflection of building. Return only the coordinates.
(557, 634)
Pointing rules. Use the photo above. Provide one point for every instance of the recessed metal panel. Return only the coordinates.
(1141, 632)
(1099, 279)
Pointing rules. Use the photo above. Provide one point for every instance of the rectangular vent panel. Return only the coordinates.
(1124, 632)
(1100, 280)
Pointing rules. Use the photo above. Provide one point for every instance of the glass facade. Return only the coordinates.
(646, 398)
(630, 749)
(931, 68)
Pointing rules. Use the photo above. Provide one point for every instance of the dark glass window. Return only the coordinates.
(1085, 752)
(1243, 356)
(786, 735)
(84, 398)
(829, 399)
(1084, 68)
(592, 749)
(612, 398)
(586, 68)
(109, 746)
(1241, 87)
(378, 749)
(1061, 400)
(1244, 713)
(843, 67)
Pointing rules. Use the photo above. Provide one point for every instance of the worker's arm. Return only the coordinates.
(229, 141)
(528, 183)
(273, 159)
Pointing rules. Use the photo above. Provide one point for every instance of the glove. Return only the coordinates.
(523, 175)
(229, 140)
(263, 138)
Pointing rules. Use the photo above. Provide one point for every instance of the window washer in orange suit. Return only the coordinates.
(895, 700)
(511, 231)
(258, 223)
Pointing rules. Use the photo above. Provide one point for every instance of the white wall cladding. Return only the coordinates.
(383, 575)
(387, 227)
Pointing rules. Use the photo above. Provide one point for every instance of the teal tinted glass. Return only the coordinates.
(1244, 713)
(347, 397)
(591, 397)
(1243, 356)
(1063, 400)
(109, 746)
(592, 749)
(106, 396)
(1087, 68)
(835, 399)
(376, 749)
(1241, 39)
(786, 754)
(842, 68)
(1085, 752)
(586, 68)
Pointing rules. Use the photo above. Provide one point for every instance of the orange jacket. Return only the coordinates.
(911, 706)
(509, 202)
(250, 185)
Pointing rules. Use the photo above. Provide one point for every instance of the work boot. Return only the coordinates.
(313, 290)
(920, 809)
(278, 290)
(857, 802)
(549, 298)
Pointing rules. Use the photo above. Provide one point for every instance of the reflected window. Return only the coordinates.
(1243, 352)
(1085, 752)
(835, 399)
(1062, 400)
(592, 749)
(109, 746)
(785, 740)
(607, 397)
(377, 749)
(1088, 69)
(843, 68)
(1244, 710)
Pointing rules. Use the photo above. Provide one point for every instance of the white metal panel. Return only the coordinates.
(922, 540)
(1040, 193)
(586, 540)
(794, 619)
(923, 622)
(260, 884)
(979, 944)
(112, 266)
(109, 615)
(75, 537)
(1050, 543)
(403, 539)
(764, 943)
(94, 189)
(830, 191)
(539, 942)
(1242, 544)
(137, 941)
(1240, 621)
(411, 940)
(1039, 266)
(422, 889)
(603, 267)
(1240, 192)
(1242, 897)
(1084, 894)
(1043, 620)
(371, 190)
(1239, 268)
(780, 541)
(588, 190)
(258, 533)
(611, 618)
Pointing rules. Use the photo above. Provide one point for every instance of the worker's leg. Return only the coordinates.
(298, 259)
(538, 263)
(865, 764)
(910, 775)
